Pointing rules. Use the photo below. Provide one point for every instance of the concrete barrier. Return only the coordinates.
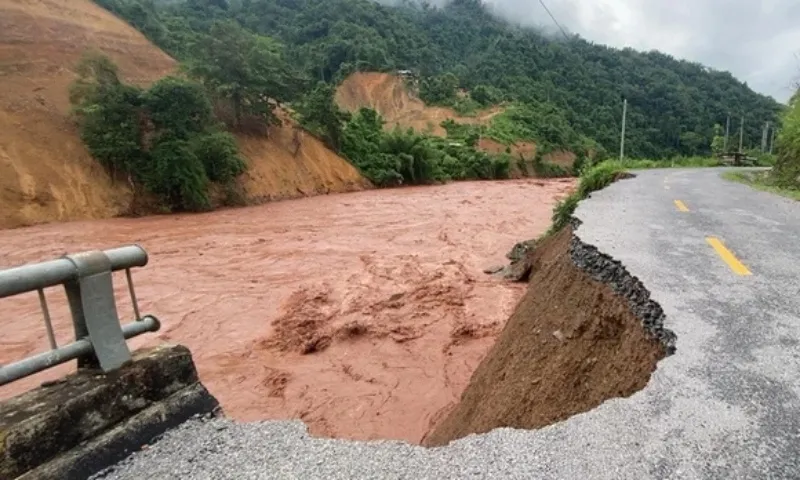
(90, 420)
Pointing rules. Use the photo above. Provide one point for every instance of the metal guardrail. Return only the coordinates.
(100, 339)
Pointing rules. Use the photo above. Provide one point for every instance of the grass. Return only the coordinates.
(761, 181)
(591, 180)
(677, 162)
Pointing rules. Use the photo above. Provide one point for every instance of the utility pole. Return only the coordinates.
(622, 137)
(764, 135)
(727, 134)
(741, 134)
(772, 142)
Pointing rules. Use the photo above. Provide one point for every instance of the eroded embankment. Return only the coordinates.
(585, 331)
(46, 173)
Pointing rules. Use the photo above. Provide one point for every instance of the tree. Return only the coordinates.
(461, 44)
(692, 142)
(108, 113)
(787, 168)
(177, 175)
(165, 138)
(178, 106)
(243, 69)
(219, 155)
(320, 114)
(718, 141)
(440, 89)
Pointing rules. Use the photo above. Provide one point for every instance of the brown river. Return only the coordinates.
(362, 314)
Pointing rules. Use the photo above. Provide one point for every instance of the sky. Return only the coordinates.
(756, 40)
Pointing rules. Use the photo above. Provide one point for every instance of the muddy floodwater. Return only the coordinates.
(362, 314)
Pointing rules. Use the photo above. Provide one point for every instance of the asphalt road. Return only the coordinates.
(723, 262)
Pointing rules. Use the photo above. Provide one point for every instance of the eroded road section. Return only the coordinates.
(362, 314)
(725, 405)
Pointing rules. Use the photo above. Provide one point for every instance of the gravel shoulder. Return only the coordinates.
(725, 405)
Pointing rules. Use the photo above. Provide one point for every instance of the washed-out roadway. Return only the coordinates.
(723, 264)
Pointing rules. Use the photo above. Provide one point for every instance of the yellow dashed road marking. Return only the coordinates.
(681, 206)
(727, 256)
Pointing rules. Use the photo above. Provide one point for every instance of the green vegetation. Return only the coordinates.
(565, 91)
(786, 173)
(784, 177)
(406, 157)
(678, 162)
(163, 139)
(244, 58)
(244, 73)
(762, 181)
(595, 178)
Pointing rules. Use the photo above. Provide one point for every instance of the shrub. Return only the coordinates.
(220, 156)
(593, 179)
(163, 138)
(177, 176)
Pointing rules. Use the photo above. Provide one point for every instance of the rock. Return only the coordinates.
(559, 336)
(520, 250)
(518, 271)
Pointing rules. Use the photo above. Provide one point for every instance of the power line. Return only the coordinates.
(554, 20)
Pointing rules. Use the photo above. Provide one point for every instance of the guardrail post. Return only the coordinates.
(94, 311)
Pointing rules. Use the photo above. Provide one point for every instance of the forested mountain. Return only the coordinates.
(674, 104)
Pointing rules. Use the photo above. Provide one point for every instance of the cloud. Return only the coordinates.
(757, 41)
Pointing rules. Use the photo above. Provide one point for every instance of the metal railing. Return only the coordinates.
(100, 339)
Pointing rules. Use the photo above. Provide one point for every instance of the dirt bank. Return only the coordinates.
(45, 172)
(571, 344)
(363, 314)
(292, 163)
(389, 96)
(47, 175)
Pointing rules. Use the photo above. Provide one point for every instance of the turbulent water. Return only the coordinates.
(363, 314)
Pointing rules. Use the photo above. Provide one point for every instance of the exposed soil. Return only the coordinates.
(524, 152)
(292, 163)
(571, 344)
(389, 96)
(46, 174)
(363, 314)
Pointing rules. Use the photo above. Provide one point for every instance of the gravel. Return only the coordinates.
(725, 405)
(605, 269)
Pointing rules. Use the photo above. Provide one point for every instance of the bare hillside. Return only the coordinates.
(388, 95)
(45, 172)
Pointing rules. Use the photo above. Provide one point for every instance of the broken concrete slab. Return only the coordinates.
(90, 420)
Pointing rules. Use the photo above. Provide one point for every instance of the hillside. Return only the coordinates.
(673, 104)
(46, 173)
(390, 97)
(293, 163)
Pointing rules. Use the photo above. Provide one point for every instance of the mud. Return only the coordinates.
(584, 332)
(47, 175)
(363, 314)
(390, 96)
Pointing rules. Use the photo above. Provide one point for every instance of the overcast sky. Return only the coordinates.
(757, 40)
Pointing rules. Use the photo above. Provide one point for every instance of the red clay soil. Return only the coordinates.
(571, 344)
